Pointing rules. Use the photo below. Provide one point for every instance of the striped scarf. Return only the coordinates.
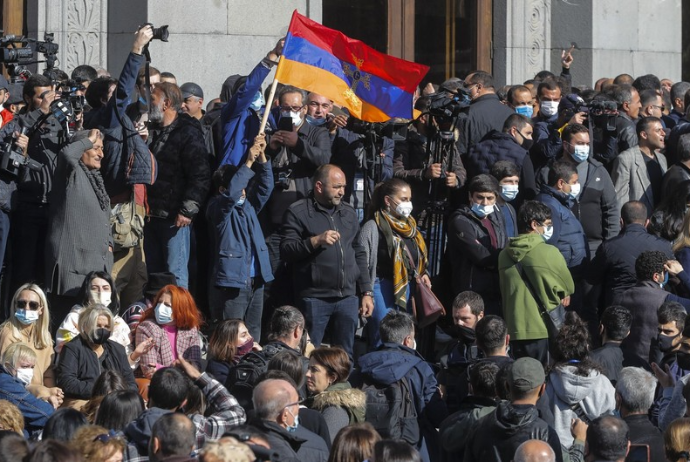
(394, 230)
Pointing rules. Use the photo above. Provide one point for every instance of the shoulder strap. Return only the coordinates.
(527, 282)
(409, 255)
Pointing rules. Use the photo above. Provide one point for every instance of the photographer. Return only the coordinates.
(125, 184)
(30, 217)
(412, 164)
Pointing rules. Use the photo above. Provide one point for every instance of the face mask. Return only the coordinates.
(665, 281)
(102, 335)
(466, 334)
(295, 116)
(404, 209)
(683, 361)
(414, 344)
(509, 191)
(574, 190)
(25, 376)
(526, 111)
(241, 200)
(581, 153)
(25, 316)
(526, 143)
(245, 347)
(164, 314)
(482, 210)
(548, 232)
(104, 298)
(295, 424)
(258, 101)
(316, 122)
(549, 108)
(666, 342)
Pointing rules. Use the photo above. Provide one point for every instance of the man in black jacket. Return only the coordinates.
(320, 236)
(498, 435)
(184, 179)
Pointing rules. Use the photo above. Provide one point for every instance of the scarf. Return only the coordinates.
(96, 181)
(394, 230)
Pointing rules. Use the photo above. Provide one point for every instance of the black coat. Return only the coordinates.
(642, 431)
(497, 436)
(485, 113)
(613, 265)
(79, 367)
(184, 176)
(338, 270)
(300, 446)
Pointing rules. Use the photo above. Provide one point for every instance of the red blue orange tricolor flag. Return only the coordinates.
(374, 87)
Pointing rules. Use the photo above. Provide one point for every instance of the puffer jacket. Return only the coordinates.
(568, 235)
(497, 436)
(184, 176)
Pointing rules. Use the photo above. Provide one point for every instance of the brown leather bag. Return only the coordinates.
(427, 308)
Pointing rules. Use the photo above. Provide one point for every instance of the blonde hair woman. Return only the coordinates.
(677, 440)
(28, 323)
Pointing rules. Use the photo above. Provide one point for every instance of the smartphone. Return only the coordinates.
(285, 124)
(638, 453)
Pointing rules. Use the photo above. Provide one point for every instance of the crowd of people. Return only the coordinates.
(186, 287)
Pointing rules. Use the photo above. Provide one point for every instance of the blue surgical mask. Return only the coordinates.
(581, 153)
(241, 200)
(26, 317)
(316, 122)
(482, 210)
(295, 424)
(164, 314)
(509, 191)
(526, 111)
(258, 101)
(663, 284)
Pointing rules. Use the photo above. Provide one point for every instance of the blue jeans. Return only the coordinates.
(245, 304)
(343, 315)
(167, 248)
(384, 301)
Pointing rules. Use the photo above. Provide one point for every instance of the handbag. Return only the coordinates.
(553, 319)
(427, 307)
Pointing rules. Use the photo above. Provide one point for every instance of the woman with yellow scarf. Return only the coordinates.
(390, 237)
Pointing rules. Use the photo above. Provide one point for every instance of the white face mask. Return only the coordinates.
(295, 116)
(25, 375)
(548, 232)
(104, 298)
(164, 314)
(404, 209)
(574, 190)
(580, 153)
(549, 108)
(509, 191)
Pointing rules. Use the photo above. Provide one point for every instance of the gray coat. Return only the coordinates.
(79, 231)
(631, 179)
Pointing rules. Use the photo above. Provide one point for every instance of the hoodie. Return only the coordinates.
(138, 433)
(548, 274)
(565, 389)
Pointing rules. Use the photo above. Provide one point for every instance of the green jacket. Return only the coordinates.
(546, 269)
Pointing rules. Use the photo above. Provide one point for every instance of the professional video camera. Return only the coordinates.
(601, 113)
(68, 92)
(397, 131)
(12, 159)
(444, 107)
(18, 51)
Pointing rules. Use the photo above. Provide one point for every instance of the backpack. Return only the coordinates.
(391, 410)
(244, 376)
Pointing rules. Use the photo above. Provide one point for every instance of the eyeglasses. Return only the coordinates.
(292, 108)
(105, 437)
(323, 105)
(32, 305)
(296, 403)
(661, 108)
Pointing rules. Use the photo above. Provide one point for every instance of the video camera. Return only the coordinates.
(601, 113)
(397, 131)
(68, 92)
(12, 159)
(444, 107)
(19, 51)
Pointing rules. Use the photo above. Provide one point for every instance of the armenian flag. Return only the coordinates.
(373, 86)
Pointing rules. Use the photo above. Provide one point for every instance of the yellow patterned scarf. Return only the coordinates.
(394, 230)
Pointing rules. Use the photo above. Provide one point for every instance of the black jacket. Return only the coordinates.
(496, 146)
(613, 265)
(485, 113)
(675, 175)
(497, 436)
(642, 431)
(79, 367)
(474, 262)
(299, 446)
(184, 176)
(613, 358)
(338, 270)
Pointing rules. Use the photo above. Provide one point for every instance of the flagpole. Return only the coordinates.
(269, 102)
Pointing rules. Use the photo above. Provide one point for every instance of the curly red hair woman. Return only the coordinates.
(174, 320)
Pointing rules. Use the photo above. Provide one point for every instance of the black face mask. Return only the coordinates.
(666, 342)
(526, 143)
(683, 360)
(102, 336)
(465, 334)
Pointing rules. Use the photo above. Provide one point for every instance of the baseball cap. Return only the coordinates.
(526, 374)
(191, 89)
(16, 90)
(4, 84)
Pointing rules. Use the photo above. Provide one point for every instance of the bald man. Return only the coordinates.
(276, 404)
(534, 451)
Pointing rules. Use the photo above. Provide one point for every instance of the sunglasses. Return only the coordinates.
(32, 305)
(105, 437)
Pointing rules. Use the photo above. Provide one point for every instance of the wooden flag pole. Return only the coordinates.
(269, 104)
